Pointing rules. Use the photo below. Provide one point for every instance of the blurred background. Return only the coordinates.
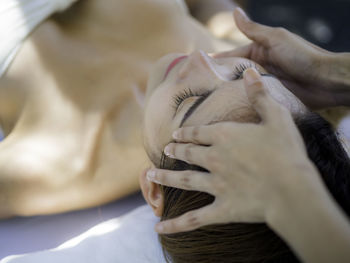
(322, 22)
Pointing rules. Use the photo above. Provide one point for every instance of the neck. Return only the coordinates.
(122, 18)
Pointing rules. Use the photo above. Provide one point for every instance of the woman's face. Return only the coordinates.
(197, 90)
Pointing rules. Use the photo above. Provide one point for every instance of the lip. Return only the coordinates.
(173, 64)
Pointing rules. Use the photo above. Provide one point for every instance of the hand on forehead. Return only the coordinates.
(202, 90)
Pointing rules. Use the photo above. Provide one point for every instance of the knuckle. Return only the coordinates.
(195, 133)
(257, 91)
(185, 180)
(192, 220)
(188, 153)
(182, 133)
(259, 88)
(281, 32)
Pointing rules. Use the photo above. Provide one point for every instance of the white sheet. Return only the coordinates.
(30, 234)
(130, 238)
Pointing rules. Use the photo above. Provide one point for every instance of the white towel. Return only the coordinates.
(18, 18)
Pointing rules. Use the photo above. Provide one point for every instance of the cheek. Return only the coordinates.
(157, 121)
(151, 120)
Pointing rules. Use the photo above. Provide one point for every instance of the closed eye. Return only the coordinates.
(185, 94)
(238, 70)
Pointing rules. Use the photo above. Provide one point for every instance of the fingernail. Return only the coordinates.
(159, 228)
(151, 174)
(176, 135)
(251, 76)
(243, 14)
(167, 151)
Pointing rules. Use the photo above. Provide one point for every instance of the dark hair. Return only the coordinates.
(247, 242)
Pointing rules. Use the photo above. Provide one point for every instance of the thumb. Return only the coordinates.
(243, 52)
(254, 31)
(258, 96)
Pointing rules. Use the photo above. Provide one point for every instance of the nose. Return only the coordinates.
(201, 61)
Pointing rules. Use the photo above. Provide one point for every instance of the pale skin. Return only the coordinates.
(71, 103)
(324, 236)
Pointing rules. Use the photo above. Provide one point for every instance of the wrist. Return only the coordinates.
(312, 223)
(304, 183)
(335, 74)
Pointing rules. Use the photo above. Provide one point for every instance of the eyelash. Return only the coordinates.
(181, 96)
(239, 69)
(237, 74)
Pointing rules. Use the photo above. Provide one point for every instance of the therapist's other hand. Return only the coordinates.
(301, 66)
(251, 167)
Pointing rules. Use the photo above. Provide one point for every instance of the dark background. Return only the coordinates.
(325, 23)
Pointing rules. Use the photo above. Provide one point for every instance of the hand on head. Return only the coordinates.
(245, 161)
(301, 66)
(244, 190)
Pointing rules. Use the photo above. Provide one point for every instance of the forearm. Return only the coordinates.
(312, 224)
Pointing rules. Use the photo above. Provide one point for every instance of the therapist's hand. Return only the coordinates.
(252, 167)
(311, 73)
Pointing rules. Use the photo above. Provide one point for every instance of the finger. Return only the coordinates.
(196, 134)
(187, 180)
(244, 52)
(254, 31)
(187, 152)
(268, 109)
(188, 221)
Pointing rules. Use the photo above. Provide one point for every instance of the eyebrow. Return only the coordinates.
(194, 107)
(202, 99)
